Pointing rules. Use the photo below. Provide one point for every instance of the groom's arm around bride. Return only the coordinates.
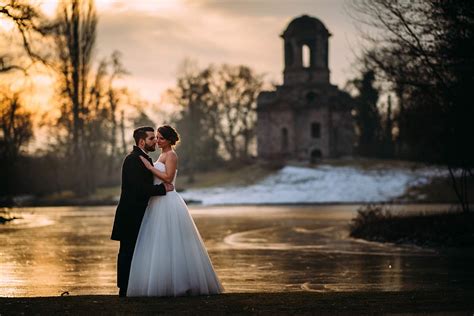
(137, 188)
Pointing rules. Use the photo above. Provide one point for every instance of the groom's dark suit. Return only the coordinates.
(137, 188)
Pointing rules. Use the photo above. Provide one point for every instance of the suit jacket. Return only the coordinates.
(137, 188)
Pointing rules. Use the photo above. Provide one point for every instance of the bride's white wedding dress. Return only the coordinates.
(170, 258)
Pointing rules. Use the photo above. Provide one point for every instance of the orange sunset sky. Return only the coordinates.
(155, 36)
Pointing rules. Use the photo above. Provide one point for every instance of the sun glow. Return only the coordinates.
(6, 25)
(49, 6)
(158, 6)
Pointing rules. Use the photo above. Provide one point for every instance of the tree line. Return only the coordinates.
(218, 115)
(89, 137)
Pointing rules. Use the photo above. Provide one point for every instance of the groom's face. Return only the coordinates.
(150, 141)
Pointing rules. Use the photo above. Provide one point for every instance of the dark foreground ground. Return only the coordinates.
(423, 302)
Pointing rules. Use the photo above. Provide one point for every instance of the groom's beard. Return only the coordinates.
(150, 147)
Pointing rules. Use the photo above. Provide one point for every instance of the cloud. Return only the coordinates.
(262, 8)
(154, 46)
(155, 41)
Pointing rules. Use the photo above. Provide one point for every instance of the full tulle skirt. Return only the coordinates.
(170, 258)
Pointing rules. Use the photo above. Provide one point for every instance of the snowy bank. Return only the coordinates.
(324, 184)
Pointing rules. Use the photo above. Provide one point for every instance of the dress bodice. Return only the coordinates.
(161, 167)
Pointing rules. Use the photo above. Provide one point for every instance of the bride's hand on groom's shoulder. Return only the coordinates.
(169, 187)
(147, 164)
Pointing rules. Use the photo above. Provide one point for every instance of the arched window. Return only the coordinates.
(315, 130)
(311, 97)
(315, 155)
(284, 139)
(306, 56)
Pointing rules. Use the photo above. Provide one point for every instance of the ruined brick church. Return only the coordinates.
(306, 118)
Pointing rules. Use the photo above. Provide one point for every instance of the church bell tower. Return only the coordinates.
(306, 52)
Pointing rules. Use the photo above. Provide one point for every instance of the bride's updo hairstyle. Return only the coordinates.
(169, 134)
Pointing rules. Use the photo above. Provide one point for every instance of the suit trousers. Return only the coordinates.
(124, 262)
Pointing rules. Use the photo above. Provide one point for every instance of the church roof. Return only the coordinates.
(305, 25)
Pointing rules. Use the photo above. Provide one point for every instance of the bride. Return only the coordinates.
(169, 258)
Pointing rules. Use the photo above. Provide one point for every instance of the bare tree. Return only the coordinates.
(114, 98)
(75, 39)
(367, 114)
(219, 114)
(15, 133)
(425, 50)
(234, 101)
(191, 94)
(31, 26)
(15, 126)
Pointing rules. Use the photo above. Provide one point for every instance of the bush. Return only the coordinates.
(446, 229)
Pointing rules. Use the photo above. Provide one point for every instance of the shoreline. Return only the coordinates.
(199, 203)
(250, 303)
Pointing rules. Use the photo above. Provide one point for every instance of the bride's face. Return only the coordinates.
(161, 141)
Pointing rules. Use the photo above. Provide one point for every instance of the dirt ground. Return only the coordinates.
(301, 303)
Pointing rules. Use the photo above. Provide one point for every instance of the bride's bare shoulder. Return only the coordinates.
(172, 155)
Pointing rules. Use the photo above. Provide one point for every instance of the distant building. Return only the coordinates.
(307, 117)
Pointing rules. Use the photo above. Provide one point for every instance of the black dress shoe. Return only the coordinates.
(122, 293)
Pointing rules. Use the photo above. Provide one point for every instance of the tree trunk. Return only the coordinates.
(460, 187)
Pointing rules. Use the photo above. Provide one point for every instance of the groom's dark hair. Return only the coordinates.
(140, 133)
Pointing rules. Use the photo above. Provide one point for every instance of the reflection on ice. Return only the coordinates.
(322, 241)
(27, 221)
(254, 249)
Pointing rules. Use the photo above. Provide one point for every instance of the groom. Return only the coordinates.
(137, 188)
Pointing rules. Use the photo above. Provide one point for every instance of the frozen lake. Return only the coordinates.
(253, 248)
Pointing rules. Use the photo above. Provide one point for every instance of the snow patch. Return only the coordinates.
(324, 184)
